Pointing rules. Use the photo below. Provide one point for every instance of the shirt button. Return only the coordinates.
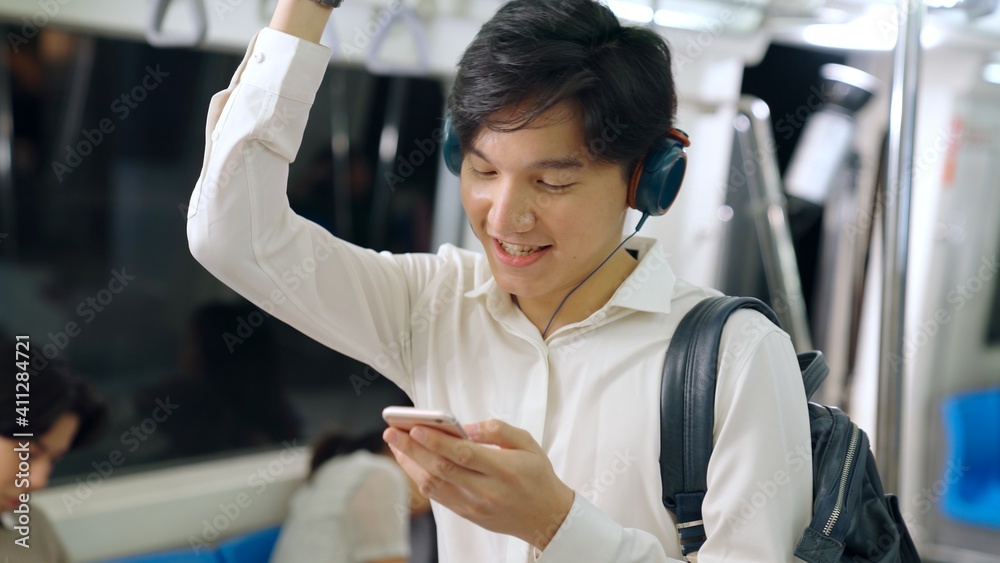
(259, 57)
(215, 136)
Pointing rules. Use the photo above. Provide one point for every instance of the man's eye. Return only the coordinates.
(482, 174)
(556, 186)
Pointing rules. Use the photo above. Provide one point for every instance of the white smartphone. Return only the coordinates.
(405, 418)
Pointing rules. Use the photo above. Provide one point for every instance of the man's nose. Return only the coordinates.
(513, 209)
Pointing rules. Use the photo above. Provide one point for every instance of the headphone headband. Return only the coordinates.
(679, 136)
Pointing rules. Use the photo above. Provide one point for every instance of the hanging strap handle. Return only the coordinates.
(406, 15)
(158, 38)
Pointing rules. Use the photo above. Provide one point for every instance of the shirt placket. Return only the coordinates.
(536, 397)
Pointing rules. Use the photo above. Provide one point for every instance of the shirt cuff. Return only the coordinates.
(587, 534)
(286, 65)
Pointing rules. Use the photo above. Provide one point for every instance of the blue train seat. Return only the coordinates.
(176, 556)
(972, 473)
(253, 547)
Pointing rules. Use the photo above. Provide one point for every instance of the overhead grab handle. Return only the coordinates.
(405, 14)
(158, 38)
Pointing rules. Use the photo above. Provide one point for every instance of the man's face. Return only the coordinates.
(546, 213)
(42, 454)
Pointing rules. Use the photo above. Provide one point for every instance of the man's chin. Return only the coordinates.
(520, 288)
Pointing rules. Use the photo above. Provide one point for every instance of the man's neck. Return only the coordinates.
(590, 296)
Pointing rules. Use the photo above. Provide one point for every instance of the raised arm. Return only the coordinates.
(304, 19)
(242, 229)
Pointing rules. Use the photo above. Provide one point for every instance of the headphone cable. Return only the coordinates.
(553, 317)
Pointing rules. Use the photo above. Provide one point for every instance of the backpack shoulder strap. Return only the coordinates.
(814, 370)
(687, 410)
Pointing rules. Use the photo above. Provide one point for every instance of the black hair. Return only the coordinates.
(55, 390)
(535, 54)
(336, 443)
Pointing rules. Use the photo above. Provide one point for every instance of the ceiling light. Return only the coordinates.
(846, 36)
(991, 73)
(632, 11)
(931, 36)
(876, 30)
(684, 20)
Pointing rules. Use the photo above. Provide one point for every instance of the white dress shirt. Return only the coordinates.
(439, 327)
(354, 509)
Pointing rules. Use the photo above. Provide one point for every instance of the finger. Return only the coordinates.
(473, 456)
(498, 432)
(429, 486)
(437, 466)
(469, 503)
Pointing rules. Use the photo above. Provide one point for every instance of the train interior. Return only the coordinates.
(843, 168)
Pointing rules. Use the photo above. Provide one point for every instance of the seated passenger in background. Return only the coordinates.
(355, 506)
(65, 412)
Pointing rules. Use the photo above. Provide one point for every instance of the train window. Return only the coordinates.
(993, 326)
(108, 141)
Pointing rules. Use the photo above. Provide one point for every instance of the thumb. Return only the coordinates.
(498, 432)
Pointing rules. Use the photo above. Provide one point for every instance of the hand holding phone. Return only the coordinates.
(405, 418)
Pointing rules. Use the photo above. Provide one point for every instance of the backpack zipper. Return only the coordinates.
(848, 462)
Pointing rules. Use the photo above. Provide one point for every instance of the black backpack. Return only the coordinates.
(853, 519)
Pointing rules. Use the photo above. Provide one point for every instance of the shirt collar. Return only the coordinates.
(650, 287)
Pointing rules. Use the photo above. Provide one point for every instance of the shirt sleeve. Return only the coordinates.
(379, 516)
(759, 497)
(587, 534)
(243, 231)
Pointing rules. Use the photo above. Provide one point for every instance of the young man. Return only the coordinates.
(555, 103)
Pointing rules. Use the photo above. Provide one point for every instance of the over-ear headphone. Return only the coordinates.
(653, 186)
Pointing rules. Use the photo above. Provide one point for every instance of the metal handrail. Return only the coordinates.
(771, 217)
(896, 241)
(158, 38)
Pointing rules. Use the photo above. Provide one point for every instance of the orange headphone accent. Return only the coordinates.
(680, 136)
(633, 183)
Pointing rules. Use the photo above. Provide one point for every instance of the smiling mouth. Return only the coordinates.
(519, 250)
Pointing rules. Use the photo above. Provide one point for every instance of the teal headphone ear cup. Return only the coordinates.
(452, 148)
(661, 177)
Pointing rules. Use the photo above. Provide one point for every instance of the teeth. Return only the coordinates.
(519, 250)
